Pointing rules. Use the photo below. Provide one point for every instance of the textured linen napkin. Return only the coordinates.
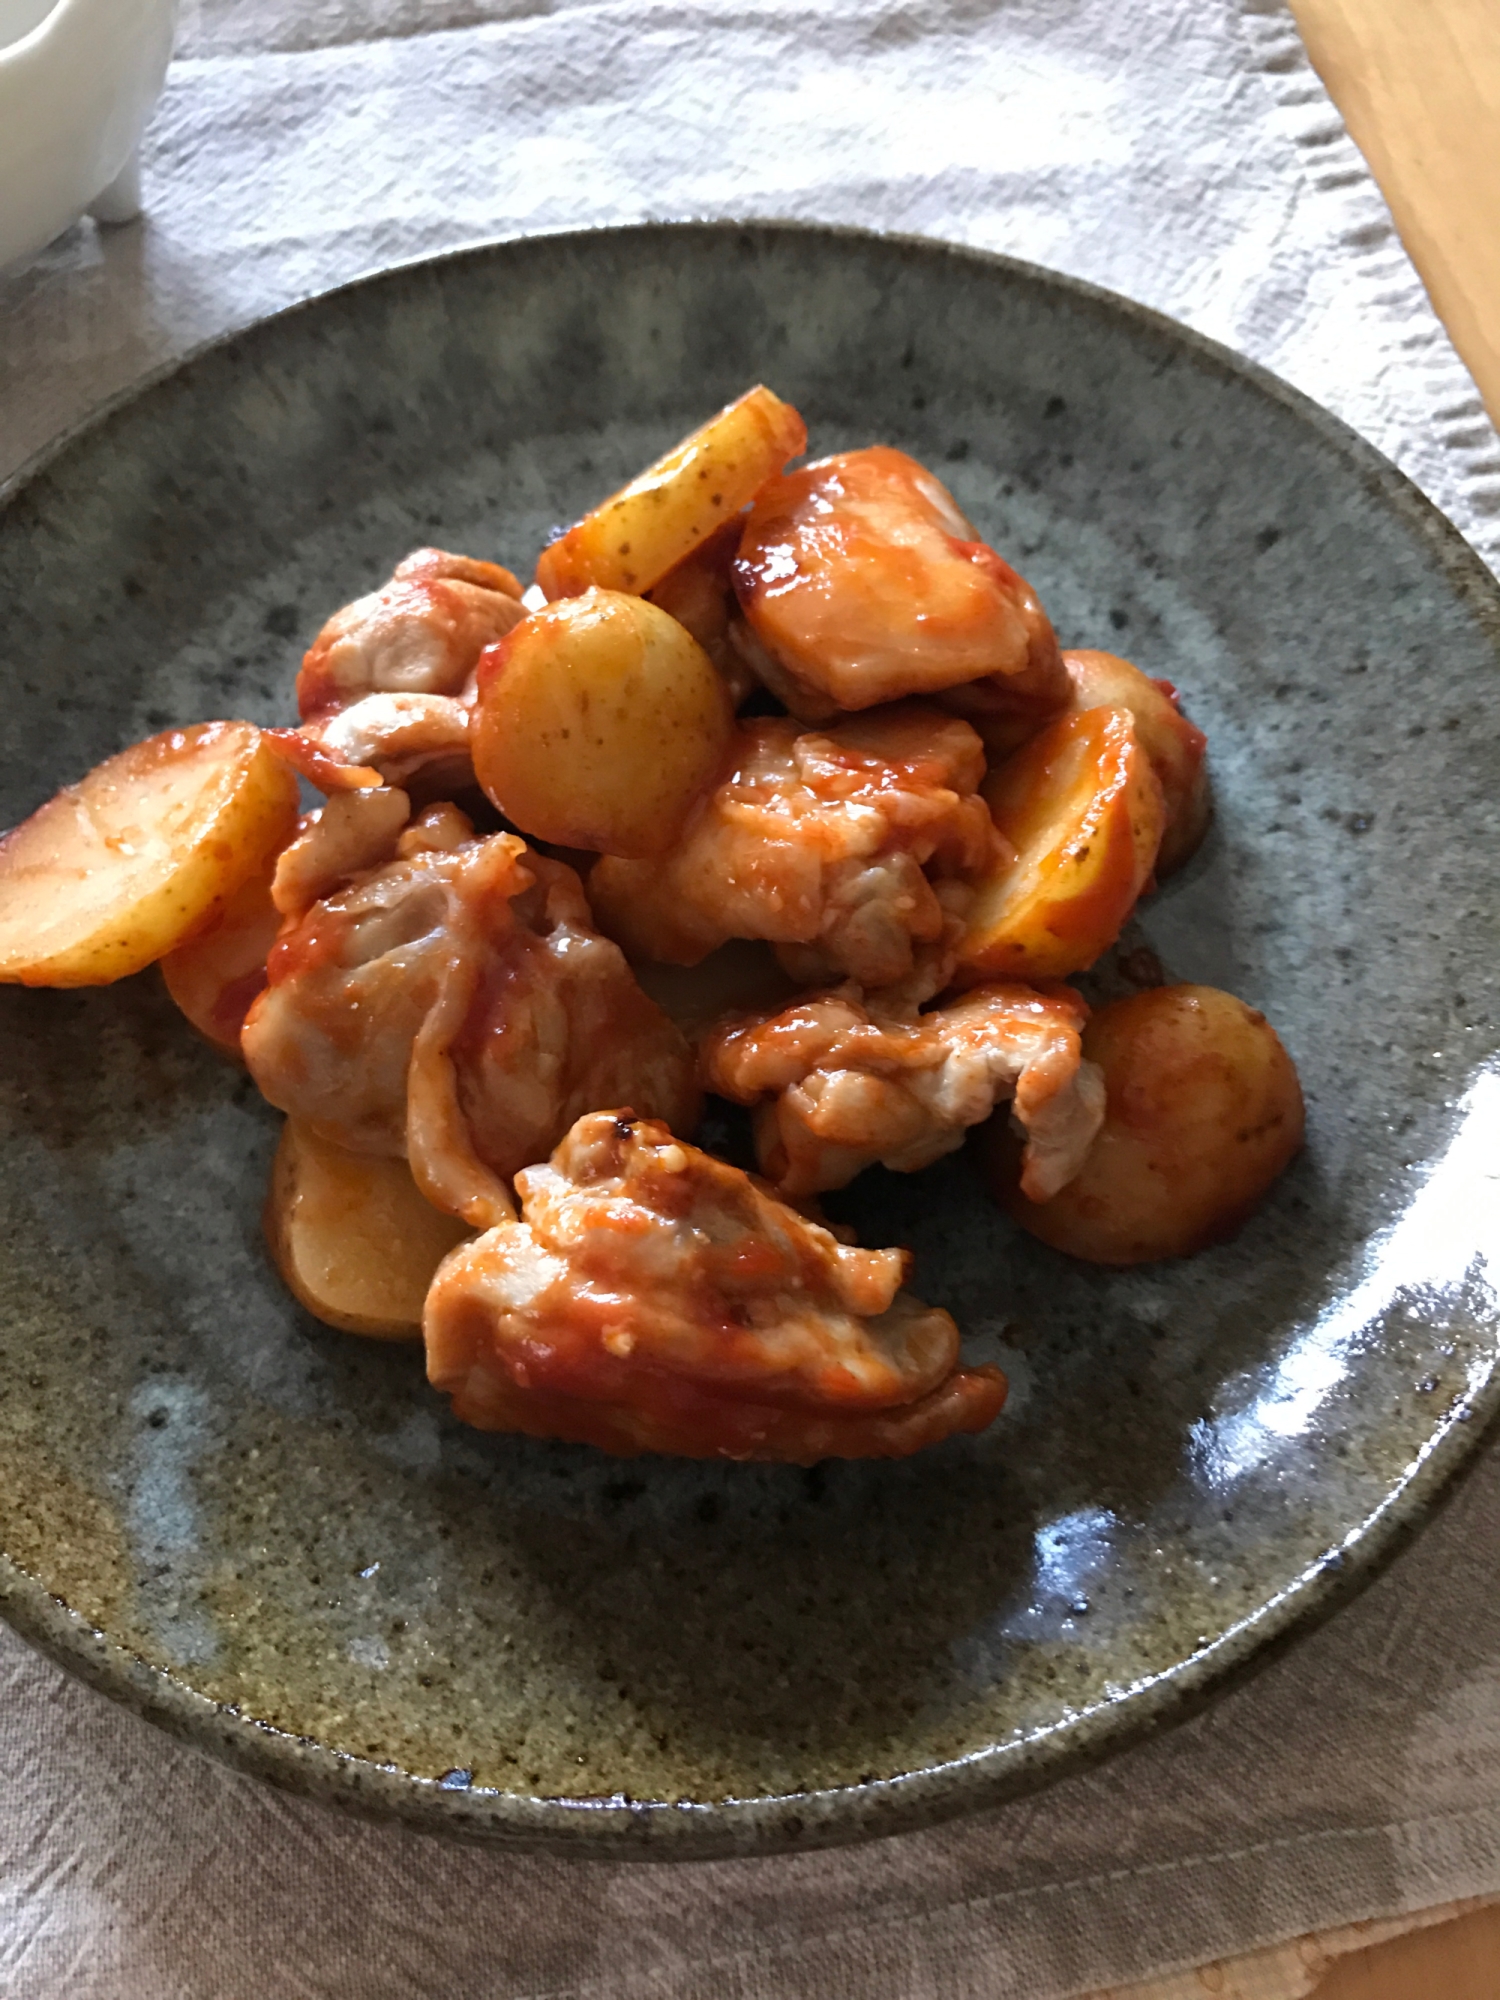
(1182, 152)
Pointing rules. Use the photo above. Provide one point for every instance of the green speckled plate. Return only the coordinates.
(272, 1538)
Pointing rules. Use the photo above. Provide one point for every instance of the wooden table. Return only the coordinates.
(1453, 1953)
(1418, 83)
(1459, 1960)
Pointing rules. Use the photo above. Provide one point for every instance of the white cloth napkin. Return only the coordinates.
(1181, 151)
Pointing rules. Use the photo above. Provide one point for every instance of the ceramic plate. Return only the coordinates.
(272, 1538)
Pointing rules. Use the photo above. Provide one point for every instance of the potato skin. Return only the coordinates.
(215, 976)
(1082, 808)
(351, 1235)
(141, 853)
(1204, 1112)
(600, 724)
(631, 540)
(1174, 745)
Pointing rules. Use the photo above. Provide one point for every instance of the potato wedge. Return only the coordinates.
(1204, 1112)
(600, 723)
(354, 1240)
(118, 869)
(1174, 745)
(216, 975)
(1082, 808)
(632, 539)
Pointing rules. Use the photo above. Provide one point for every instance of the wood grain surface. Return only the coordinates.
(1457, 1961)
(1418, 83)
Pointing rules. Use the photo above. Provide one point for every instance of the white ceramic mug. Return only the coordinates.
(78, 79)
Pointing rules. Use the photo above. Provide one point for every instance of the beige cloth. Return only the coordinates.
(1181, 151)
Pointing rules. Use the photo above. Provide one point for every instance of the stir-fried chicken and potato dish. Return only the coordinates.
(774, 785)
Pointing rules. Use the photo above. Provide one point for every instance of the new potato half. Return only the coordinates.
(631, 540)
(1082, 809)
(120, 868)
(600, 723)
(1203, 1112)
(355, 1241)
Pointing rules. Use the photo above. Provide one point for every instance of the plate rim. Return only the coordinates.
(621, 1827)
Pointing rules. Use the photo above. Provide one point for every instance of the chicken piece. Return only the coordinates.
(741, 977)
(818, 842)
(1007, 713)
(439, 829)
(421, 633)
(697, 592)
(387, 687)
(761, 668)
(356, 972)
(420, 742)
(864, 582)
(356, 830)
(840, 1084)
(402, 736)
(324, 769)
(556, 1026)
(453, 1003)
(657, 1299)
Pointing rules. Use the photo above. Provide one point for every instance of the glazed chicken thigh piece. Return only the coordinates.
(863, 582)
(839, 1085)
(402, 737)
(388, 684)
(844, 848)
(421, 633)
(555, 1025)
(657, 1299)
(449, 999)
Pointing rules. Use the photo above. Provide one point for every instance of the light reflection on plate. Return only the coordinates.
(1446, 1242)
